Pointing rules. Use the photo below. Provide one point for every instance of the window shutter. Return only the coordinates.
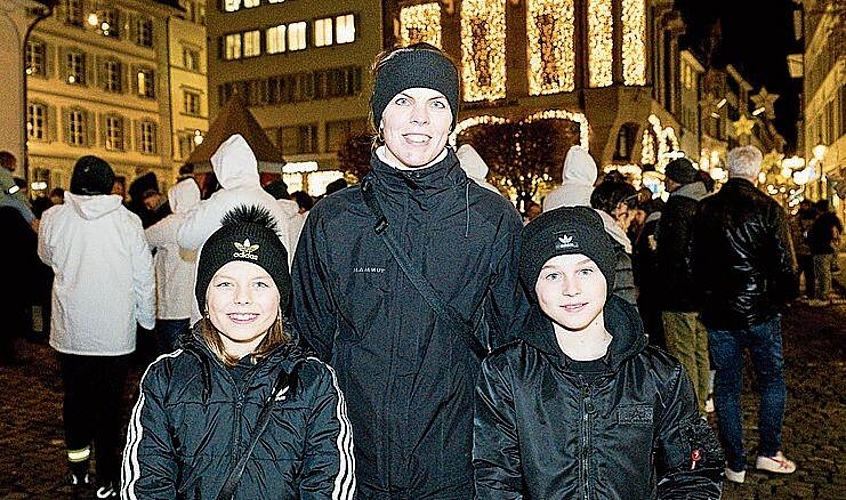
(63, 64)
(124, 77)
(103, 134)
(136, 134)
(90, 69)
(131, 20)
(90, 129)
(52, 122)
(100, 71)
(65, 125)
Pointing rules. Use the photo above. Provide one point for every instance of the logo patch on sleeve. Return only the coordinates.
(634, 414)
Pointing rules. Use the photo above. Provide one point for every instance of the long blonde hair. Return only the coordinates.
(277, 335)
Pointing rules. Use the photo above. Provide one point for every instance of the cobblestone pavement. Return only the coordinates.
(31, 436)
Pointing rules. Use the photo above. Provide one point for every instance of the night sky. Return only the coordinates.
(756, 41)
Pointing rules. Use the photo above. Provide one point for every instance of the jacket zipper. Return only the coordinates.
(584, 449)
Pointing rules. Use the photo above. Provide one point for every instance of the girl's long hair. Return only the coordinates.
(277, 335)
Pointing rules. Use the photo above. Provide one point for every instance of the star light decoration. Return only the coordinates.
(743, 126)
(764, 99)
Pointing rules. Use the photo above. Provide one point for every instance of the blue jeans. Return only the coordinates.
(168, 331)
(727, 348)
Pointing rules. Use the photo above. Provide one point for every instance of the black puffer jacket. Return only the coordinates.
(407, 376)
(545, 429)
(743, 260)
(194, 417)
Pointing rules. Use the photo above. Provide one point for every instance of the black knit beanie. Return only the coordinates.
(92, 175)
(247, 233)
(681, 170)
(412, 68)
(566, 230)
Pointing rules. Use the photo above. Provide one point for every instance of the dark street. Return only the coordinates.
(814, 430)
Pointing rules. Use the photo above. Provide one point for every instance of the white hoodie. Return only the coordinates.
(104, 281)
(578, 178)
(175, 267)
(236, 168)
(474, 166)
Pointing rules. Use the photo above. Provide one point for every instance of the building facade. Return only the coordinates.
(100, 77)
(303, 68)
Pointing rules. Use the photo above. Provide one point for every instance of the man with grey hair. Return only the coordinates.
(745, 269)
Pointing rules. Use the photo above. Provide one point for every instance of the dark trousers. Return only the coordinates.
(806, 267)
(93, 409)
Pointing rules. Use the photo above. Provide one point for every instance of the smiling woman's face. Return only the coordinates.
(415, 126)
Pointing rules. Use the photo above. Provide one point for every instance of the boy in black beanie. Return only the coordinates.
(579, 405)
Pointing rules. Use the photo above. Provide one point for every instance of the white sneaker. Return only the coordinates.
(735, 477)
(709, 405)
(819, 303)
(778, 464)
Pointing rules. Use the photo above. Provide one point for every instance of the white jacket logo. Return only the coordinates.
(245, 250)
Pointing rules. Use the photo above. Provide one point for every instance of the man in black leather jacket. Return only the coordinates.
(745, 268)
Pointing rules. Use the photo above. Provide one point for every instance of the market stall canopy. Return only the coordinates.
(235, 118)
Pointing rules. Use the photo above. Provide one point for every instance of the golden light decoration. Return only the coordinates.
(666, 140)
(634, 42)
(472, 122)
(601, 44)
(483, 49)
(421, 23)
(562, 114)
(765, 100)
(743, 126)
(550, 28)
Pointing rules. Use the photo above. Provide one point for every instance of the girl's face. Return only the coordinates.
(243, 303)
(571, 291)
(415, 126)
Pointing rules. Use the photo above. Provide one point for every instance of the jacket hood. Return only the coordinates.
(93, 206)
(183, 196)
(579, 168)
(474, 166)
(621, 320)
(577, 179)
(235, 164)
(616, 232)
(695, 191)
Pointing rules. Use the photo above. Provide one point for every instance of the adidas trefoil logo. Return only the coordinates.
(565, 241)
(245, 250)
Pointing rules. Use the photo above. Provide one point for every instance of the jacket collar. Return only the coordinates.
(621, 319)
(421, 183)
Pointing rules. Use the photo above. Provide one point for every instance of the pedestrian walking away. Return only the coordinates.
(744, 265)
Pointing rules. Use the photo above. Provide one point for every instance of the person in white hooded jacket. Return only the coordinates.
(578, 176)
(103, 287)
(236, 168)
(175, 267)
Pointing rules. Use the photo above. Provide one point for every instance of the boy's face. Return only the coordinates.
(571, 291)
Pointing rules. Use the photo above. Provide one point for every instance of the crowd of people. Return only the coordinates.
(414, 335)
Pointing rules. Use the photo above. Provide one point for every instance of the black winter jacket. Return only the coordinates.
(193, 420)
(675, 249)
(407, 376)
(544, 429)
(743, 260)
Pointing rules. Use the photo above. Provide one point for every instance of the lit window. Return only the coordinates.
(297, 36)
(147, 141)
(36, 54)
(252, 43)
(112, 76)
(276, 39)
(36, 121)
(191, 102)
(323, 32)
(345, 29)
(231, 5)
(483, 49)
(144, 32)
(232, 46)
(190, 59)
(275, 1)
(146, 83)
(114, 133)
(76, 128)
(75, 68)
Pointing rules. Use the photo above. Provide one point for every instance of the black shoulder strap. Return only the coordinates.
(423, 286)
(283, 380)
